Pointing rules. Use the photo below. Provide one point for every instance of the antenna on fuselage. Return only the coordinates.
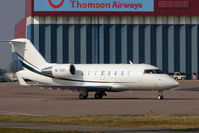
(131, 62)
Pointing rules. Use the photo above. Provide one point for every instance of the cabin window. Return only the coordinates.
(109, 73)
(95, 72)
(102, 73)
(122, 73)
(115, 73)
(129, 72)
(89, 72)
(153, 71)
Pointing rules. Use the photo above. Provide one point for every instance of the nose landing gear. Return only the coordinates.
(160, 95)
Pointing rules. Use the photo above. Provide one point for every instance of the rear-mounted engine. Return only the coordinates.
(59, 71)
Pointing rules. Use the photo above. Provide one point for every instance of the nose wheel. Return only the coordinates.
(160, 95)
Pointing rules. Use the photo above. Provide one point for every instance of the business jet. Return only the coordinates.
(85, 78)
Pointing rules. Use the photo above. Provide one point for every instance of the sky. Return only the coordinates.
(11, 12)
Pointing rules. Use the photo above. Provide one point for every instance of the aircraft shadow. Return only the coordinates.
(136, 98)
(123, 99)
(187, 89)
(166, 99)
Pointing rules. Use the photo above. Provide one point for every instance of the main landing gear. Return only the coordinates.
(83, 95)
(98, 95)
(160, 95)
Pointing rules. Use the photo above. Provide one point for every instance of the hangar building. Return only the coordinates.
(164, 33)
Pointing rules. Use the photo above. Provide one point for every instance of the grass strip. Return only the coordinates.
(145, 121)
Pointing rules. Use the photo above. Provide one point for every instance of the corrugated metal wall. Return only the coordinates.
(169, 42)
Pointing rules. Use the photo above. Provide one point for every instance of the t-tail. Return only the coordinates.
(28, 54)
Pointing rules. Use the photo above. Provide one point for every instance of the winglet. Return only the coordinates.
(5, 41)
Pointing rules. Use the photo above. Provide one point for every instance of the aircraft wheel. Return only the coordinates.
(160, 95)
(99, 95)
(83, 95)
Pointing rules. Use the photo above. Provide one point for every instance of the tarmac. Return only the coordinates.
(89, 128)
(15, 99)
(34, 101)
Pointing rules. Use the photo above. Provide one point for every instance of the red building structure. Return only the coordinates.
(163, 33)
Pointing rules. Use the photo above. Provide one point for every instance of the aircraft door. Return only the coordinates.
(136, 76)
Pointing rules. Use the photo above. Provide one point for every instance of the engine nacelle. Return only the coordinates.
(59, 71)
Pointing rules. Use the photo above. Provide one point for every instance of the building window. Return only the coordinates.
(174, 4)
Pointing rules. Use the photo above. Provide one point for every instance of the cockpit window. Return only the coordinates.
(153, 71)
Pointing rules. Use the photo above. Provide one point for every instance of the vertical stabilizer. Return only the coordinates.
(28, 54)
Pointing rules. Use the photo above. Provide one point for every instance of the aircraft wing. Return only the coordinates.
(76, 88)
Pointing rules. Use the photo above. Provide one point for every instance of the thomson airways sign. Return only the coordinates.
(95, 5)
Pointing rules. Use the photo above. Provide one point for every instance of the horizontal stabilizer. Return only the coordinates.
(5, 41)
(21, 80)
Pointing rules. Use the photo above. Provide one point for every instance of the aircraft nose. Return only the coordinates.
(174, 83)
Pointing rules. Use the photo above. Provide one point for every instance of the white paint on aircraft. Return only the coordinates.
(99, 78)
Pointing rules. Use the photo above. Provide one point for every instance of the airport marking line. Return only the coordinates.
(20, 130)
(140, 121)
(18, 113)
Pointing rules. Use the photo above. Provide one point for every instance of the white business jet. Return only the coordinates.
(85, 78)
